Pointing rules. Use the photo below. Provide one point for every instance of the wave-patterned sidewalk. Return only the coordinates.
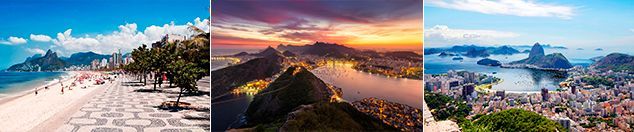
(121, 108)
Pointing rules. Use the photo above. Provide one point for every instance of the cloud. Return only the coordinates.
(40, 38)
(35, 51)
(340, 11)
(442, 34)
(126, 38)
(304, 22)
(632, 29)
(13, 41)
(525, 8)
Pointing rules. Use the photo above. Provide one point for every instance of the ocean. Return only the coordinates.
(15, 82)
(515, 80)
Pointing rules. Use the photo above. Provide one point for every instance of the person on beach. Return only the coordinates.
(60, 82)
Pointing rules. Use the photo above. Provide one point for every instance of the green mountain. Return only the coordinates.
(48, 62)
(84, 58)
(615, 62)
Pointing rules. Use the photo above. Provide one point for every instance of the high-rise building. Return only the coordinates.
(545, 95)
(116, 59)
(565, 122)
(104, 63)
(500, 94)
(94, 64)
(467, 90)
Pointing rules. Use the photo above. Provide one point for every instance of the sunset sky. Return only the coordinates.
(360, 24)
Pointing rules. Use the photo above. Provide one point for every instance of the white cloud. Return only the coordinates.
(40, 38)
(507, 7)
(443, 35)
(13, 41)
(126, 38)
(36, 51)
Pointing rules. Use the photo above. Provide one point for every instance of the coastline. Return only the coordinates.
(26, 110)
(20, 93)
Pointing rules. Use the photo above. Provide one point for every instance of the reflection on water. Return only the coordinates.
(357, 85)
(226, 111)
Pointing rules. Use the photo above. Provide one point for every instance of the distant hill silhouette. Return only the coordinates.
(85, 58)
(48, 62)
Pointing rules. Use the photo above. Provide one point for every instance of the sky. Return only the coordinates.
(570, 23)
(372, 24)
(31, 27)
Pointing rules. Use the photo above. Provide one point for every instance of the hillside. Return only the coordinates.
(514, 120)
(332, 117)
(297, 86)
(615, 62)
(224, 80)
(84, 58)
(299, 101)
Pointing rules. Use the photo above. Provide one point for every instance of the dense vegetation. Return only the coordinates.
(513, 120)
(444, 107)
(597, 80)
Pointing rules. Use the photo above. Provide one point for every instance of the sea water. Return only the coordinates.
(515, 80)
(15, 82)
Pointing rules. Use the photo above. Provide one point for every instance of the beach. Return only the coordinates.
(114, 105)
(25, 110)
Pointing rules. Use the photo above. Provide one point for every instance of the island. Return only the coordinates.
(472, 51)
(489, 62)
(537, 60)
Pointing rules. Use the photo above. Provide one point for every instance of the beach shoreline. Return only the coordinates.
(17, 94)
(27, 110)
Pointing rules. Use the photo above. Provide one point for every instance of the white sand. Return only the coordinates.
(26, 111)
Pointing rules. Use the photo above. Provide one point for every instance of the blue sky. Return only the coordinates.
(101, 26)
(570, 23)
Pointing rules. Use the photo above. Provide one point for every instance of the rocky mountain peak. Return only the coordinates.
(536, 51)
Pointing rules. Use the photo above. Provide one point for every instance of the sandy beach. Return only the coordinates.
(26, 110)
(112, 106)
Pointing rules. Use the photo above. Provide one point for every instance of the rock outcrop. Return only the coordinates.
(48, 62)
(537, 59)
